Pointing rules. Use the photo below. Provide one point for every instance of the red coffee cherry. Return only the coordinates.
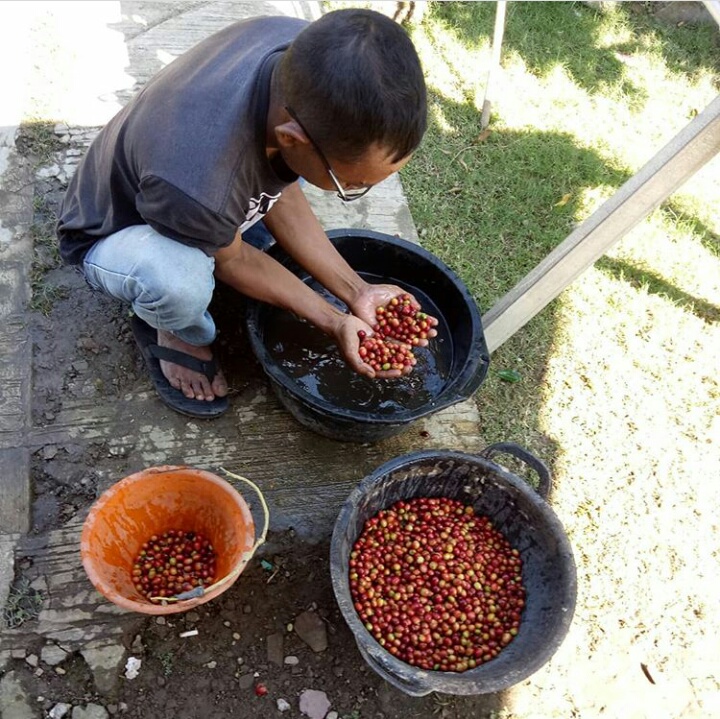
(383, 356)
(400, 320)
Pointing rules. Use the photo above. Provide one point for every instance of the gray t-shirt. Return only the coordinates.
(187, 155)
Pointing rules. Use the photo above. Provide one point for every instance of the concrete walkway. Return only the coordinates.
(77, 64)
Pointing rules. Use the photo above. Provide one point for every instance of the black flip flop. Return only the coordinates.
(146, 338)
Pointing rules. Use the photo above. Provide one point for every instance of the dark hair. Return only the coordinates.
(354, 78)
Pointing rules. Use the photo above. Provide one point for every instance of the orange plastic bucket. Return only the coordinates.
(152, 502)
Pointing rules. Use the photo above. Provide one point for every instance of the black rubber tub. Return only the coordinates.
(520, 512)
(382, 258)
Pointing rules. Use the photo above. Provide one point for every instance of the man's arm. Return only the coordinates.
(257, 275)
(294, 225)
(296, 229)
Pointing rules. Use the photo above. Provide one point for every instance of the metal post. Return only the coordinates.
(494, 63)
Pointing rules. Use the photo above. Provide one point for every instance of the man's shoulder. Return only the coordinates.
(240, 46)
(269, 28)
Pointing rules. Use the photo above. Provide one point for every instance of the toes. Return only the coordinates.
(203, 389)
(195, 388)
(187, 389)
(219, 385)
(194, 385)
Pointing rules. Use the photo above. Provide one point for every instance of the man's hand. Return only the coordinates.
(345, 334)
(371, 297)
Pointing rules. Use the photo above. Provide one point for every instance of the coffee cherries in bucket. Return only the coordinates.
(172, 563)
(437, 585)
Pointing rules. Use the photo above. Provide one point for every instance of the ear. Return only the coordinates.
(289, 134)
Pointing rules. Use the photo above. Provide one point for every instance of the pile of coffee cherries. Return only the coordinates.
(437, 585)
(399, 327)
(173, 562)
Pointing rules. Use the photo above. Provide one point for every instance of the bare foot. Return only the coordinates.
(193, 385)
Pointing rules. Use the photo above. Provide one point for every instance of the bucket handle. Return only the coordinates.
(542, 470)
(244, 558)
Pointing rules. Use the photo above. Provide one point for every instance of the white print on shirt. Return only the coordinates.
(258, 208)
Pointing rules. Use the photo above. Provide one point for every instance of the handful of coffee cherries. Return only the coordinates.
(399, 327)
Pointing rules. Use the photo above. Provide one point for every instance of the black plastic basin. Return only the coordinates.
(383, 258)
(523, 516)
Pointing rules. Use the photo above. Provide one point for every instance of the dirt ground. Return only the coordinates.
(214, 674)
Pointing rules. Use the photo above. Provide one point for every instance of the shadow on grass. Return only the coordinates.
(656, 285)
(493, 209)
(519, 191)
(686, 49)
(548, 34)
(545, 35)
(709, 239)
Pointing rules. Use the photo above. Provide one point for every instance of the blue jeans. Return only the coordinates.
(169, 285)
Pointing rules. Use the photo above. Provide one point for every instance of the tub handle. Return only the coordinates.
(248, 554)
(535, 463)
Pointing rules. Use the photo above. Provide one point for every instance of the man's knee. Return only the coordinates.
(184, 299)
(180, 289)
(139, 264)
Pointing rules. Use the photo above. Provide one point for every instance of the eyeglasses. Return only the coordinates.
(345, 194)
